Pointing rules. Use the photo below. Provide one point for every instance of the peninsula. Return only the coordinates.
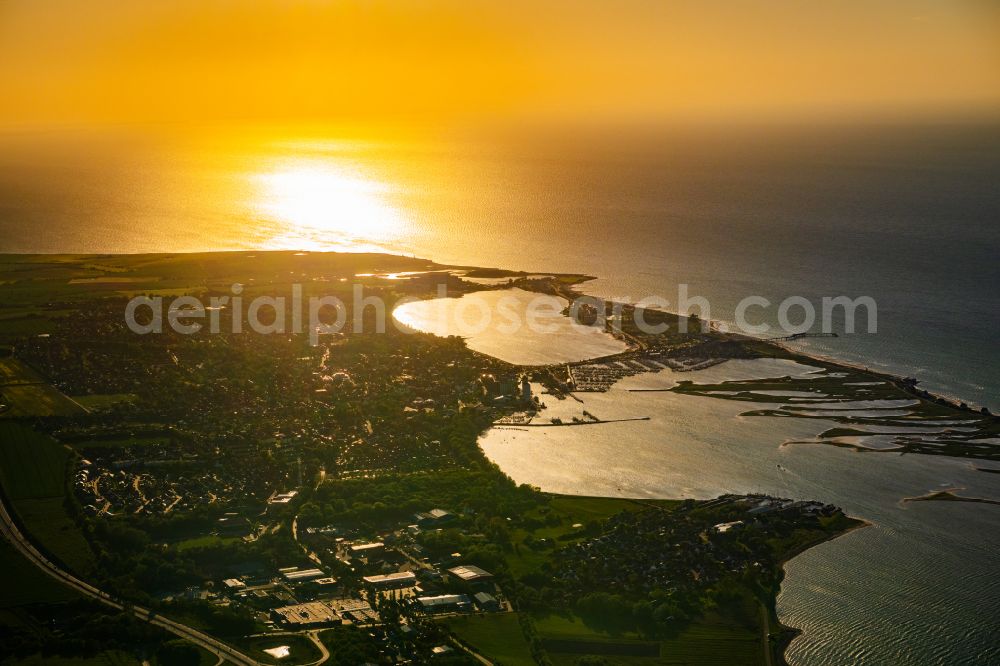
(256, 499)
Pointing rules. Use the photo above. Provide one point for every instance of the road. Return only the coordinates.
(312, 635)
(767, 635)
(472, 653)
(17, 539)
(323, 652)
(295, 536)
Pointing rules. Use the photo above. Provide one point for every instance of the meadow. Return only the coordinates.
(498, 637)
(33, 471)
(24, 583)
(24, 393)
(710, 641)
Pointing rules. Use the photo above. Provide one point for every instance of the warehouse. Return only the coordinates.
(313, 614)
(445, 603)
(470, 573)
(392, 581)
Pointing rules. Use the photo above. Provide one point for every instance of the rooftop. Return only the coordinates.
(303, 574)
(399, 577)
(315, 612)
(283, 498)
(470, 573)
(443, 600)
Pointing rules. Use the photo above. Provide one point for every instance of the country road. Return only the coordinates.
(17, 539)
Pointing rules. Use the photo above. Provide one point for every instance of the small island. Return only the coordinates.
(950, 496)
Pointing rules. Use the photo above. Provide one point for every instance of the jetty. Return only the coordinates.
(799, 336)
(577, 423)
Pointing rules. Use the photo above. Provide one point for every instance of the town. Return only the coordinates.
(328, 503)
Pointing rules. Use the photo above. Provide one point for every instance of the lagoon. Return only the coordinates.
(514, 325)
(917, 587)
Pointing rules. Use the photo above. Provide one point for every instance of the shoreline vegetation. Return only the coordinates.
(950, 496)
(567, 286)
(165, 435)
(867, 409)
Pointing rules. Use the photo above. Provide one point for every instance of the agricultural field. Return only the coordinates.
(110, 658)
(711, 641)
(23, 583)
(24, 322)
(13, 371)
(36, 400)
(52, 528)
(205, 541)
(118, 442)
(32, 473)
(23, 392)
(496, 636)
(32, 465)
(99, 401)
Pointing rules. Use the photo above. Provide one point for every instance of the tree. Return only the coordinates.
(178, 653)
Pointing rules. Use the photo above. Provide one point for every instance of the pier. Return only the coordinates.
(799, 336)
(574, 423)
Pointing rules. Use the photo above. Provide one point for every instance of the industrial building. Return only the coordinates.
(391, 581)
(470, 573)
(433, 517)
(486, 602)
(313, 614)
(445, 603)
(357, 610)
(296, 575)
(283, 498)
(366, 550)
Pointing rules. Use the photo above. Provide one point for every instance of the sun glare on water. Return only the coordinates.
(325, 206)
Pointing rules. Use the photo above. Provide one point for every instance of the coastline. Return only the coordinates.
(949, 496)
(786, 353)
(785, 634)
(567, 290)
(897, 379)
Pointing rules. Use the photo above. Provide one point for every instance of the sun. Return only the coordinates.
(325, 203)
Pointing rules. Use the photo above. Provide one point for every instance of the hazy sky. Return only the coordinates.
(468, 60)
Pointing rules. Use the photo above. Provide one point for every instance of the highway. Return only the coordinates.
(202, 640)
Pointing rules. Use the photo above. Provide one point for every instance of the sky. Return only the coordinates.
(427, 61)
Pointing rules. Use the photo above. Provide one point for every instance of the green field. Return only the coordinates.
(29, 324)
(33, 474)
(496, 636)
(50, 527)
(23, 583)
(119, 442)
(710, 642)
(37, 400)
(205, 541)
(103, 400)
(25, 393)
(109, 658)
(32, 465)
(302, 650)
(569, 627)
(13, 371)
